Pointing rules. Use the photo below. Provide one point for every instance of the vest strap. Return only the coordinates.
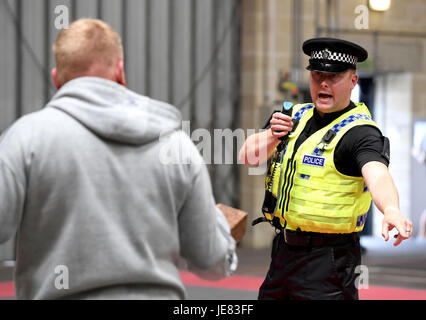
(331, 133)
(259, 220)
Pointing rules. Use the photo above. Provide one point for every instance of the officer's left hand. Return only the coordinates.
(281, 125)
(394, 219)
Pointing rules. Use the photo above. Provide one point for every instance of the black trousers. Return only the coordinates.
(312, 273)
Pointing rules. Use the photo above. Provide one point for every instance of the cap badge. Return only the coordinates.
(325, 54)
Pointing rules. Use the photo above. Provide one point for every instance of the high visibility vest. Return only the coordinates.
(310, 193)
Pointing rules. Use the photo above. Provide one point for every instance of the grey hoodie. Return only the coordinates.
(97, 211)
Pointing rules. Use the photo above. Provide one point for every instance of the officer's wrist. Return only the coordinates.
(391, 209)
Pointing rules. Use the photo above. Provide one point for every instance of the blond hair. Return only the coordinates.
(85, 43)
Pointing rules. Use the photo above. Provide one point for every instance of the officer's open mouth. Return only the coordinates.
(325, 96)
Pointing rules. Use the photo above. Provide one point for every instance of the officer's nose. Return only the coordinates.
(324, 83)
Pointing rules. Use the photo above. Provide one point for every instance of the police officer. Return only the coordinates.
(332, 161)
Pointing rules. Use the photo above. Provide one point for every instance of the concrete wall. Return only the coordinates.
(418, 171)
(394, 114)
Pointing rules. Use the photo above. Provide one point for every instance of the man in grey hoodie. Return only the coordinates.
(96, 212)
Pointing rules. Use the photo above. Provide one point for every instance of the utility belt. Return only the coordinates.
(314, 239)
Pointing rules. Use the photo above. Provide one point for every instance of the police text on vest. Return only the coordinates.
(313, 160)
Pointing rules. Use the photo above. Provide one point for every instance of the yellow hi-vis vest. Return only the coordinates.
(311, 194)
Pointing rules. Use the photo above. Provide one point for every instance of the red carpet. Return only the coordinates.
(235, 282)
(7, 290)
(253, 283)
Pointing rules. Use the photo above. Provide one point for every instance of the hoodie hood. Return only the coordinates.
(113, 112)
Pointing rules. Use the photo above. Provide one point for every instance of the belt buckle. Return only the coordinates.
(304, 240)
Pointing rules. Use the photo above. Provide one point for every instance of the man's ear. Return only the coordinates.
(354, 78)
(120, 75)
(55, 78)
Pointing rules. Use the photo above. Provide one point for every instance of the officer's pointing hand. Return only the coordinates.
(281, 124)
(394, 219)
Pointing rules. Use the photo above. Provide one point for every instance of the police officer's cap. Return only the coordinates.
(332, 55)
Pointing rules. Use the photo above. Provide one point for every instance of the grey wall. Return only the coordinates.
(185, 52)
(418, 199)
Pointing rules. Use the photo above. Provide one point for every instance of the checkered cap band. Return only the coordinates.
(334, 56)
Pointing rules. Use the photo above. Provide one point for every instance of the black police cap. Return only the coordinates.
(332, 55)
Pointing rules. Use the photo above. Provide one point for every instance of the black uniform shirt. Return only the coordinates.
(358, 146)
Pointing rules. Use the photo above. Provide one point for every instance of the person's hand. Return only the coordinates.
(281, 124)
(394, 219)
